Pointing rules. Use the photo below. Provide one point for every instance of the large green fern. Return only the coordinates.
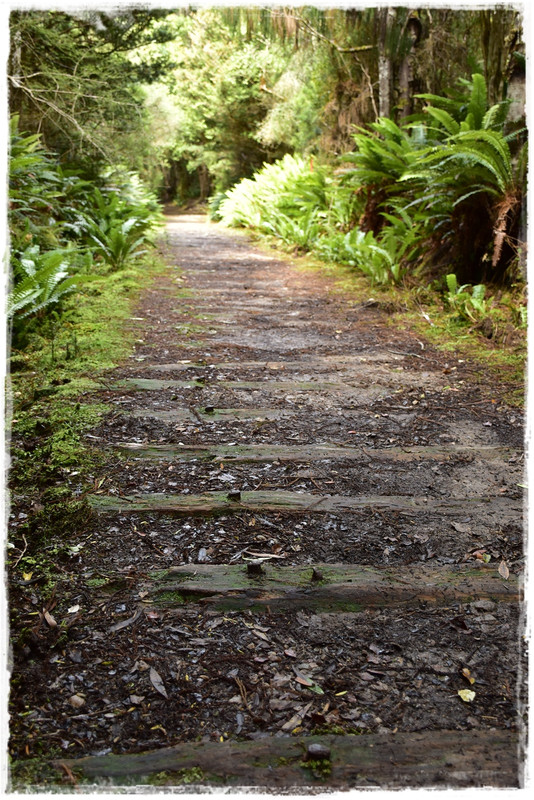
(42, 279)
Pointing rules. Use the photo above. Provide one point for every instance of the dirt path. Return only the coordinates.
(306, 541)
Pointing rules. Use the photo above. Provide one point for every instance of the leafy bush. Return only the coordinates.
(382, 258)
(383, 154)
(58, 221)
(443, 193)
(254, 201)
(41, 280)
(117, 240)
(469, 305)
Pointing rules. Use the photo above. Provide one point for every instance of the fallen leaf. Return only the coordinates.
(27, 576)
(461, 527)
(125, 622)
(73, 609)
(296, 719)
(504, 572)
(76, 701)
(467, 695)
(290, 652)
(136, 699)
(304, 681)
(467, 674)
(309, 684)
(157, 682)
(50, 619)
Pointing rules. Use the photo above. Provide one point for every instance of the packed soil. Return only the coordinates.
(268, 422)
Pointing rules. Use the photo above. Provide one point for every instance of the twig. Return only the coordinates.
(22, 553)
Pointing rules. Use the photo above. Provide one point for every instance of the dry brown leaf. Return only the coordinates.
(157, 682)
(504, 572)
(76, 701)
(50, 619)
(296, 719)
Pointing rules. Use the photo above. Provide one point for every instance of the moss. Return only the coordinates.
(179, 777)
(34, 772)
(321, 769)
(175, 598)
(96, 583)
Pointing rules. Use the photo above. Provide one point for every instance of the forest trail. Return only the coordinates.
(309, 526)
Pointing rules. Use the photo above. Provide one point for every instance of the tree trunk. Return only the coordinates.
(385, 67)
(406, 77)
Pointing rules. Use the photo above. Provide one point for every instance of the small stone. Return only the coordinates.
(484, 604)
(255, 568)
(316, 751)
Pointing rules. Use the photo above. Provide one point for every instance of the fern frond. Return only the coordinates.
(478, 102)
(444, 118)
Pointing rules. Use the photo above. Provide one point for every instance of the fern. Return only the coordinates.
(41, 280)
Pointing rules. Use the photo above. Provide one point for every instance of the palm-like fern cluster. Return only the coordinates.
(441, 194)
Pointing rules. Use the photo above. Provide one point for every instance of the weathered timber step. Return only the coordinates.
(212, 413)
(154, 384)
(296, 502)
(327, 587)
(336, 362)
(312, 452)
(439, 759)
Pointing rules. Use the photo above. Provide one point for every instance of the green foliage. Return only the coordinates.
(61, 223)
(71, 78)
(467, 110)
(384, 153)
(120, 240)
(468, 305)
(254, 202)
(415, 198)
(42, 280)
(382, 259)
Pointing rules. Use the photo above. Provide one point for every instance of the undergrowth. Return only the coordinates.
(51, 464)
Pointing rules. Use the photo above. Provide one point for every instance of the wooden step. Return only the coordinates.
(313, 452)
(326, 587)
(325, 362)
(211, 413)
(156, 385)
(300, 502)
(432, 759)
